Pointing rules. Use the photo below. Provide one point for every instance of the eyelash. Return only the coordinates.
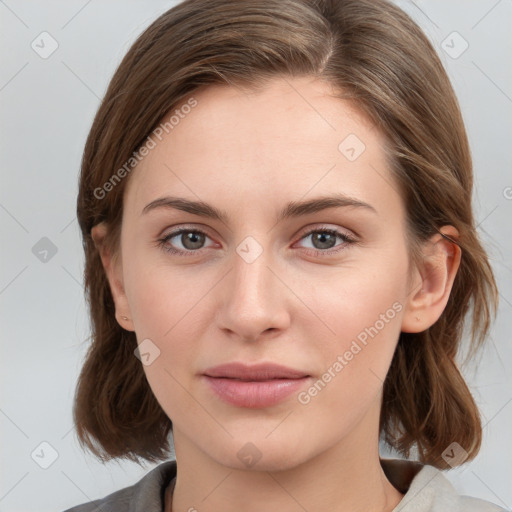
(163, 242)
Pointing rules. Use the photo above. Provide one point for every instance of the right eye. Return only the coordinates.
(190, 239)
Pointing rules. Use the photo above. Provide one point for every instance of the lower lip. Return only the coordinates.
(254, 394)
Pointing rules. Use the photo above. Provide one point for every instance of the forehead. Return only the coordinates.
(290, 138)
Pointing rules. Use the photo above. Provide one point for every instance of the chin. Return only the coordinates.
(259, 455)
(271, 463)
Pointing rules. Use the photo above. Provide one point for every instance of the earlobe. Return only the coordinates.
(427, 299)
(113, 269)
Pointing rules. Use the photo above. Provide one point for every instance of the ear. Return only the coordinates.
(432, 283)
(114, 271)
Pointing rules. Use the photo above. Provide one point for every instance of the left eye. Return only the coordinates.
(325, 238)
(192, 241)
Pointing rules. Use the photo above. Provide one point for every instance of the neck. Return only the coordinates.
(347, 477)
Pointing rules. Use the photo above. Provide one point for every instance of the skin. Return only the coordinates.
(249, 154)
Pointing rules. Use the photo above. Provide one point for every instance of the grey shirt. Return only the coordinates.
(426, 489)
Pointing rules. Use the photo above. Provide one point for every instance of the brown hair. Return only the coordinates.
(373, 54)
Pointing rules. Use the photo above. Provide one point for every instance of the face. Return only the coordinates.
(320, 291)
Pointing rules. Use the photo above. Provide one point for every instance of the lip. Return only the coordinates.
(254, 386)
(255, 372)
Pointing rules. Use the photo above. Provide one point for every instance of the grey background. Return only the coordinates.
(47, 106)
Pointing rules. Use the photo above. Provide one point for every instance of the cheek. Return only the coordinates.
(167, 316)
(364, 312)
(353, 364)
(161, 299)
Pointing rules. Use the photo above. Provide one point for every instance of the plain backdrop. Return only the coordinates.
(49, 93)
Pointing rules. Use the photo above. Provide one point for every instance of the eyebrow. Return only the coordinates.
(291, 210)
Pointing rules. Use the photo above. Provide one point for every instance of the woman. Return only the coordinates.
(280, 254)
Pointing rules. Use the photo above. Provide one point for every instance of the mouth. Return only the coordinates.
(254, 386)
(259, 372)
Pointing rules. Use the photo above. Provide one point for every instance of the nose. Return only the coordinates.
(254, 299)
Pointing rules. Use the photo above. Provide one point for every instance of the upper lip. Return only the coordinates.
(263, 371)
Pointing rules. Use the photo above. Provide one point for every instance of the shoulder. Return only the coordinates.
(428, 490)
(146, 495)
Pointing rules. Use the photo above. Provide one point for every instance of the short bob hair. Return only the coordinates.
(373, 54)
